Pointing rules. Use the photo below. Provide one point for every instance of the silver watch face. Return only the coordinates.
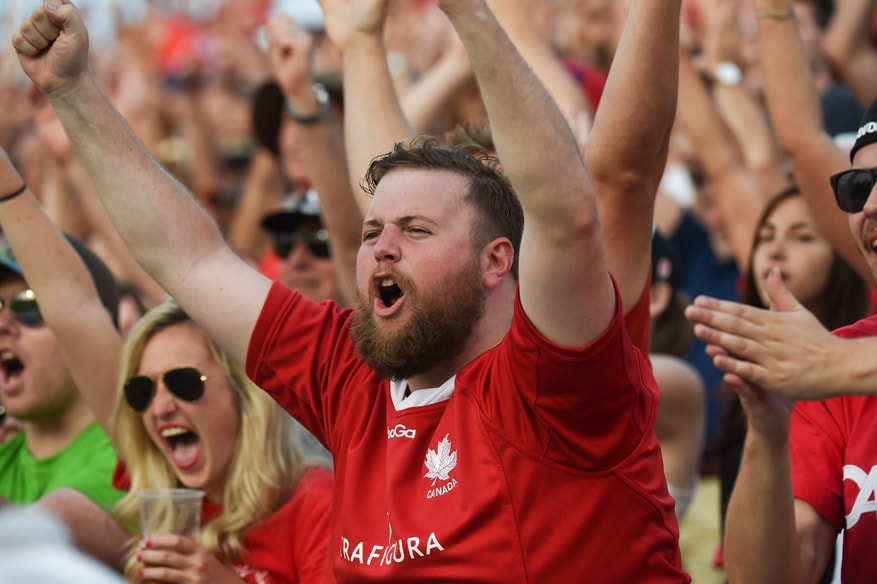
(728, 73)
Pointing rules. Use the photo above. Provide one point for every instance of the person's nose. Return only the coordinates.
(387, 247)
(299, 254)
(776, 249)
(8, 324)
(164, 402)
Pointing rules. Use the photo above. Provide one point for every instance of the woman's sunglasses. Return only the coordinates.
(853, 187)
(24, 309)
(317, 241)
(186, 383)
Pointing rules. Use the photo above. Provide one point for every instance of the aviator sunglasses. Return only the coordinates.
(317, 241)
(853, 187)
(24, 308)
(186, 383)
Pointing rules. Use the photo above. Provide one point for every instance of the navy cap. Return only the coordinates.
(867, 129)
(294, 212)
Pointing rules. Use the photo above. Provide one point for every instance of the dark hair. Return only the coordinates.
(671, 330)
(846, 297)
(498, 210)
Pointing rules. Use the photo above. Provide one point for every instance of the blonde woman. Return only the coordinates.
(186, 415)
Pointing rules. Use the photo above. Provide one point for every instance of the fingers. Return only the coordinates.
(36, 33)
(780, 298)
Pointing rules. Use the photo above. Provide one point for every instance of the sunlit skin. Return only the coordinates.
(864, 223)
(789, 240)
(214, 420)
(418, 229)
(34, 382)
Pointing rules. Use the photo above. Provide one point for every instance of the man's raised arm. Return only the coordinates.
(170, 235)
(564, 283)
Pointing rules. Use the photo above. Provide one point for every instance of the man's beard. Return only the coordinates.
(438, 330)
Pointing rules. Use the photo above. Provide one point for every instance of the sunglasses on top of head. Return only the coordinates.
(186, 383)
(853, 187)
(24, 309)
(317, 241)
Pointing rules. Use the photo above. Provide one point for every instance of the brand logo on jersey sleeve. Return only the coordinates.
(439, 463)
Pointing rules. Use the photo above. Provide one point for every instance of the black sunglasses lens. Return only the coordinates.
(283, 248)
(853, 189)
(25, 310)
(186, 383)
(319, 248)
(138, 392)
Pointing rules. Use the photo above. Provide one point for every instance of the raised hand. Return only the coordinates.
(344, 18)
(289, 53)
(785, 350)
(181, 560)
(52, 46)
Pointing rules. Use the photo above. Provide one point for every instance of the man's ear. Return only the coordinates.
(497, 258)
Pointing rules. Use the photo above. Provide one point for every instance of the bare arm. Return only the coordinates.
(373, 122)
(797, 116)
(747, 119)
(770, 537)
(519, 18)
(429, 98)
(564, 281)
(66, 294)
(627, 146)
(322, 148)
(170, 235)
(847, 44)
(736, 192)
(262, 192)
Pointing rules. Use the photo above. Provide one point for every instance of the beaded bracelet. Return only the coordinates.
(11, 196)
(786, 14)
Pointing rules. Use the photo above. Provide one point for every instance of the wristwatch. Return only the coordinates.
(727, 73)
(318, 116)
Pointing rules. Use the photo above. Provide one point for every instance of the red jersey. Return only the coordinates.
(542, 464)
(834, 466)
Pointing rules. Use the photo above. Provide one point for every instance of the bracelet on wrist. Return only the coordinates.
(787, 14)
(318, 116)
(13, 194)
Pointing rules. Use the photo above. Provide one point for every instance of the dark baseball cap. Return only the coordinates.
(294, 212)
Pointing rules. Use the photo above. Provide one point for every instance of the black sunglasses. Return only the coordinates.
(853, 187)
(185, 383)
(317, 240)
(24, 308)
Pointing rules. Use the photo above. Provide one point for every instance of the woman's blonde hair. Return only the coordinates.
(264, 468)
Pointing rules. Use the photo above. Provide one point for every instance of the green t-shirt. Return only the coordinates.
(85, 465)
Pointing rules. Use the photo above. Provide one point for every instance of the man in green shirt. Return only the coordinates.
(60, 444)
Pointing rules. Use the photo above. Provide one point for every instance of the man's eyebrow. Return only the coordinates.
(405, 220)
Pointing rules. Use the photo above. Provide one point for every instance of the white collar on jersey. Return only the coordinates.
(421, 397)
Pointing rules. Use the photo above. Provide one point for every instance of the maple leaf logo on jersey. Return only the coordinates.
(440, 461)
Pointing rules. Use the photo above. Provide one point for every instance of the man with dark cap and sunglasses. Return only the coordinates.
(301, 248)
(60, 444)
(809, 469)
